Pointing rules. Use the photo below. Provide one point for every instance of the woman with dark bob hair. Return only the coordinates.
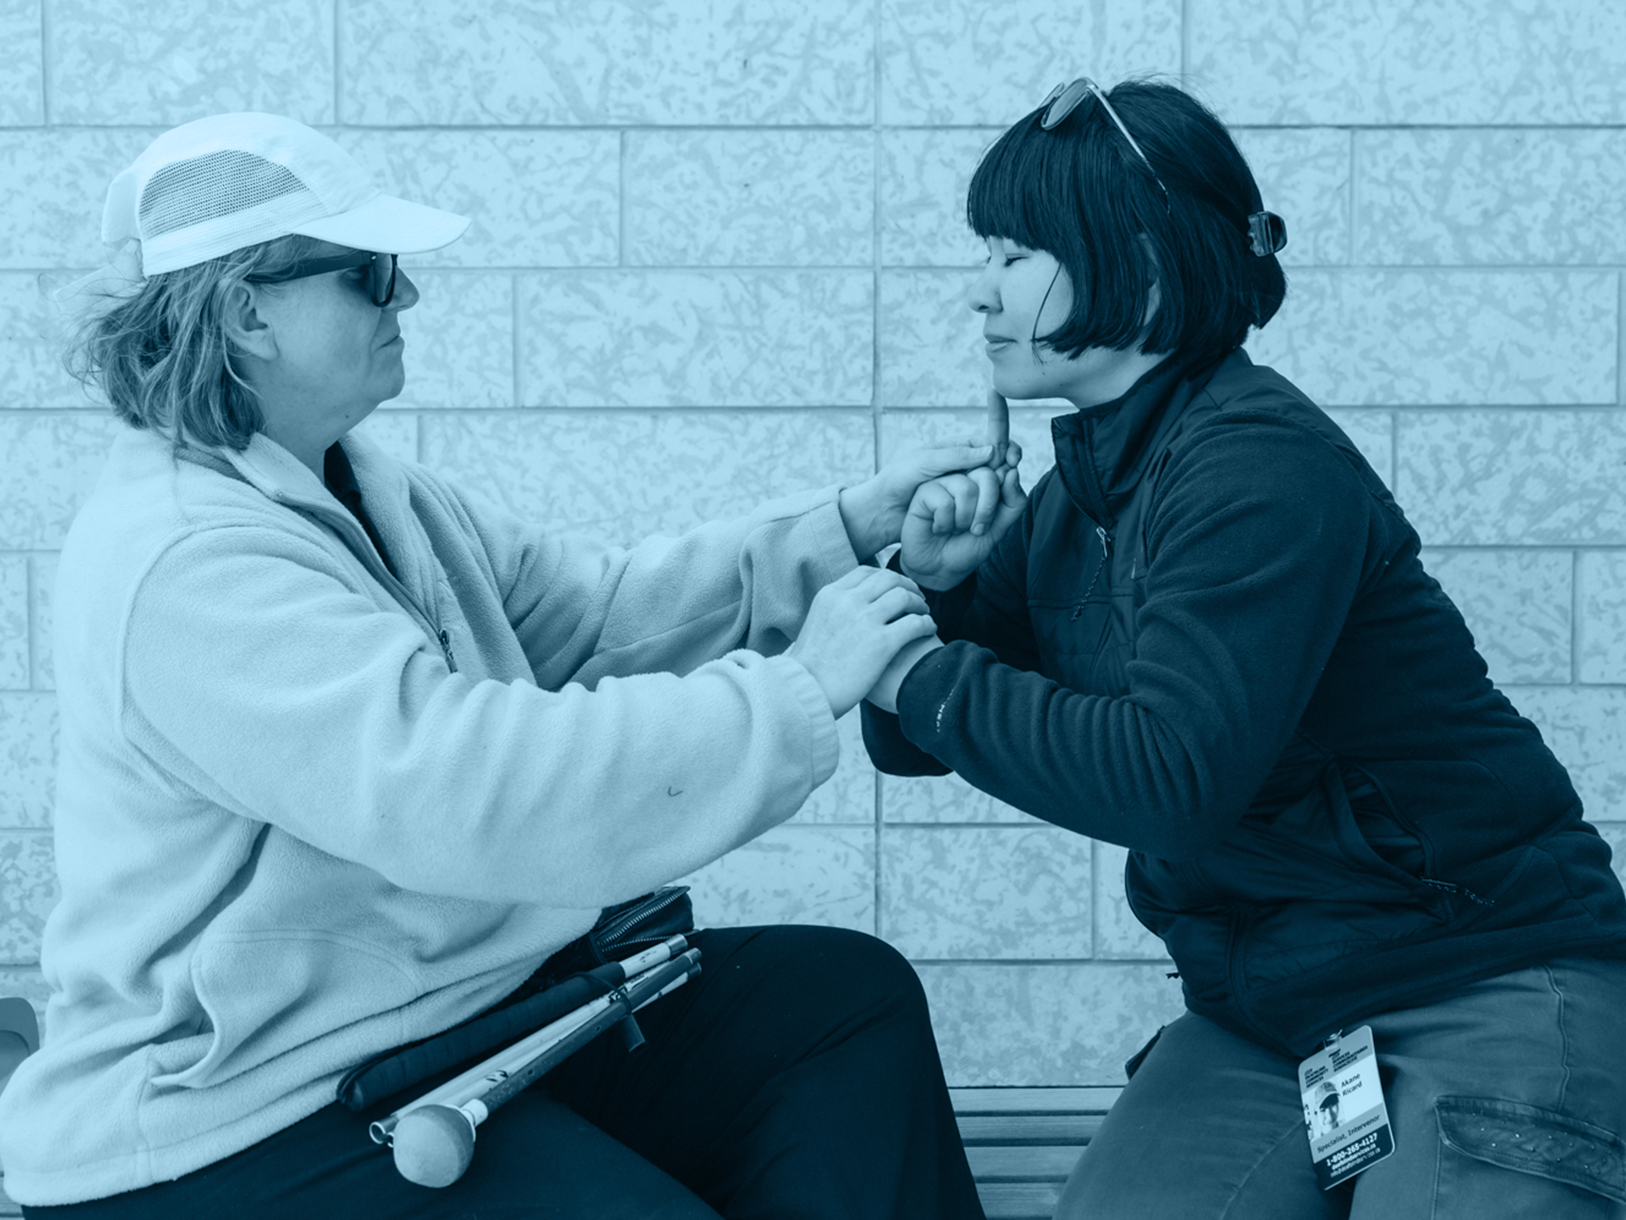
(349, 757)
(1210, 639)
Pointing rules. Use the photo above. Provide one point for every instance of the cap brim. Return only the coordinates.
(387, 225)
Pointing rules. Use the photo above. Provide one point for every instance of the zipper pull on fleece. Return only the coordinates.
(1106, 551)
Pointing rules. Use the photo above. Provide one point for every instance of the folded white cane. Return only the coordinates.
(433, 1137)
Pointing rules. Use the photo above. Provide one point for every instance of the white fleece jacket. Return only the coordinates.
(306, 812)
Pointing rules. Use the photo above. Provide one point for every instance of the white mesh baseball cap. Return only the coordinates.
(218, 184)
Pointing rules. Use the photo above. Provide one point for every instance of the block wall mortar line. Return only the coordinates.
(1575, 617)
(1040, 961)
(1620, 337)
(45, 63)
(875, 377)
(1352, 201)
(31, 626)
(877, 922)
(876, 263)
(1185, 44)
(514, 325)
(1394, 457)
(1095, 883)
(338, 65)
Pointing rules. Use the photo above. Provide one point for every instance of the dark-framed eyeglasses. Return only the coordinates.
(1064, 99)
(380, 272)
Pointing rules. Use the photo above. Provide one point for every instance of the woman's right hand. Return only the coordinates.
(939, 548)
(854, 628)
(954, 520)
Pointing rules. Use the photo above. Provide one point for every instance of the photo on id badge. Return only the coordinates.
(1344, 1112)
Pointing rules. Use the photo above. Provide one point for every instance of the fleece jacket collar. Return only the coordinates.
(1103, 451)
(281, 477)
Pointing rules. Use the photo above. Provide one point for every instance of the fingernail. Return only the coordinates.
(979, 529)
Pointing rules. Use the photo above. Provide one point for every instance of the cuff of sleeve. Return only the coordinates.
(825, 750)
(926, 683)
(835, 549)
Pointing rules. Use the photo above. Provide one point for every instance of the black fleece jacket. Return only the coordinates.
(1210, 639)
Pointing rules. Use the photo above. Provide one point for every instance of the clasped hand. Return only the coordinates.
(948, 506)
(954, 520)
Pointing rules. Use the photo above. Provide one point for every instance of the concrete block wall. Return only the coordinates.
(717, 253)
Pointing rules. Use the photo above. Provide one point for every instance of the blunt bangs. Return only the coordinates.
(1080, 193)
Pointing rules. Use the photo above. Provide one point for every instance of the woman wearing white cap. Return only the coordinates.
(346, 753)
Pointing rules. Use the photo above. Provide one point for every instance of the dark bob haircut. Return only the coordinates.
(1080, 192)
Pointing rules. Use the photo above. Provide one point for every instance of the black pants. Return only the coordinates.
(796, 1077)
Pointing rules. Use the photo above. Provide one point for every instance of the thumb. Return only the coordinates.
(946, 459)
(998, 431)
(1013, 502)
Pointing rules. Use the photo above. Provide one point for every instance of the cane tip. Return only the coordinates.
(433, 1145)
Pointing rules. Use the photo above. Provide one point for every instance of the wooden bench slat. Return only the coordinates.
(1078, 1099)
(1028, 1128)
(1019, 1200)
(1007, 1163)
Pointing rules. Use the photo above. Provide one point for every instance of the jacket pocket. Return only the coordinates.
(1525, 1139)
(268, 993)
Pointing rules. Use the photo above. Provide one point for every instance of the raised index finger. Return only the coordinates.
(998, 433)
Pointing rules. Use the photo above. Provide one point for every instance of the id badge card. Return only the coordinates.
(1343, 1108)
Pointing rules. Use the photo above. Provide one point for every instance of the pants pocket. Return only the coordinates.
(1529, 1140)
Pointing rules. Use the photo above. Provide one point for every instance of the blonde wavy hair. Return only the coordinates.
(161, 356)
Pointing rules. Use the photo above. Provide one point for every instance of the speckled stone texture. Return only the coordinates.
(1517, 604)
(751, 198)
(52, 461)
(28, 750)
(1057, 1024)
(1498, 478)
(696, 339)
(1376, 63)
(1601, 609)
(944, 798)
(459, 341)
(1392, 338)
(42, 584)
(1586, 728)
(1479, 197)
(924, 178)
(167, 63)
(930, 351)
(52, 185)
(792, 874)
(964, 62)
(718, 253)
(1118, 934)
(28, 891)
(611, 474)
(848, 796)
(534, 198)
(31, 334)
(558, 63)
(986, 892)
(14, 666)
(1304, 177)
(22, 77)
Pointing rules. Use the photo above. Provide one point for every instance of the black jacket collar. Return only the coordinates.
(1103, 451)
